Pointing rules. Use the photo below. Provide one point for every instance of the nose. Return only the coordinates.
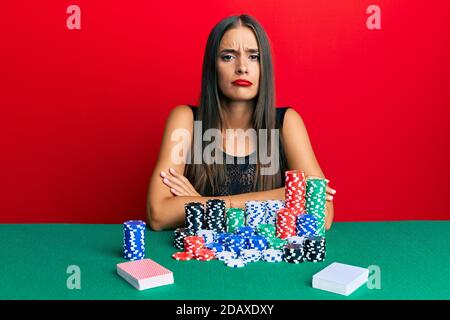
(241, 67)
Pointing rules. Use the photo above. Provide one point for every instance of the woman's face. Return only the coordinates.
(238, 58)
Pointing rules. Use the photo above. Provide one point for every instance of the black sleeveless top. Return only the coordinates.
(240, 172)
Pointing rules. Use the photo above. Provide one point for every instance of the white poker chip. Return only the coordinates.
(296, 240)
(250, 255)
(273, 255)
(226, 255)
(235, 263)
(249, 252)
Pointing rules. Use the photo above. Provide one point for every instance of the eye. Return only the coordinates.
(255, 56)
(227, 57)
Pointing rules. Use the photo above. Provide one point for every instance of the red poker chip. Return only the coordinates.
(183, 256)
(204, 258)
(194, 239)
(205, 255)
(205, 252)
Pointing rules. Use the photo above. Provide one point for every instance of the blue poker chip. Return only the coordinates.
(245, 231)
(222, 237)
(216, 247)
(134, 239)
(257, 242)
(134, 224)
(307, 225)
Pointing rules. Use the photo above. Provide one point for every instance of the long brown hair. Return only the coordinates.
(207, 178)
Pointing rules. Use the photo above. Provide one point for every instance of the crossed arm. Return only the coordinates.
(169, 190)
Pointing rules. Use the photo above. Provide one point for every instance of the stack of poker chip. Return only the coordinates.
(193, 243)
(237, 250)
(205, 255)
(183, 256)
(235, 219)
(295, 190)
(209, 236)
(268, 231)
(272, 206)
(215, 246)
(293, 253)
(194, 248)
(306, 225)
(255, 213)
(226, 255)
(296, 240)
(277, 243)
(178, 237)
(316, 201)
(231, 259)
(235, 263)
(222, 237)
(215, 215)
(250, 255)
(315, 250)
(194, 216)
(235, 243)
(245, 231)
(272, 255)
(285, 224)
(257, 242)
(134, 240)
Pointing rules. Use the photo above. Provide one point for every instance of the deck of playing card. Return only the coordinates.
(145, 274)
(340, 278)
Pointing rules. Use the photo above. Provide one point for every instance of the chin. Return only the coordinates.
(242, 97)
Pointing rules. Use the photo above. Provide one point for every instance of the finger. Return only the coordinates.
(178, 182)
(331, 191)
(182, 178)
(170, 184)
(175, 192)
(329, 198)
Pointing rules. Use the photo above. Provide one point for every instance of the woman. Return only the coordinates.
(237, 93)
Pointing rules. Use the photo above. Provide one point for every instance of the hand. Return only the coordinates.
(330, 192)
(179, 185)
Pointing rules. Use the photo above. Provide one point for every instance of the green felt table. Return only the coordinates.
(413, 257)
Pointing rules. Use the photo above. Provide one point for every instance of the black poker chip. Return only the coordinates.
(194, 216)
(215, 215)
(178, 237)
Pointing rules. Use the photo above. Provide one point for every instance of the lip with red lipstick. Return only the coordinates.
(242, 83)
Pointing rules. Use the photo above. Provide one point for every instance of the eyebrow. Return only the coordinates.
(235, 51)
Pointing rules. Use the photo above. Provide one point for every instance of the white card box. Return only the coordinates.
(340, 278)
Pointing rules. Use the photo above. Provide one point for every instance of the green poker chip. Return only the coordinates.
(316, 200)
(235, 219)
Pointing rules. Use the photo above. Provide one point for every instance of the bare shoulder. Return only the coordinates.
(181, 116)
(292, 118)
(293, 124)
(298, 147)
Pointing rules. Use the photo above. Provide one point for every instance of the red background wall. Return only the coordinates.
(83, 111)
